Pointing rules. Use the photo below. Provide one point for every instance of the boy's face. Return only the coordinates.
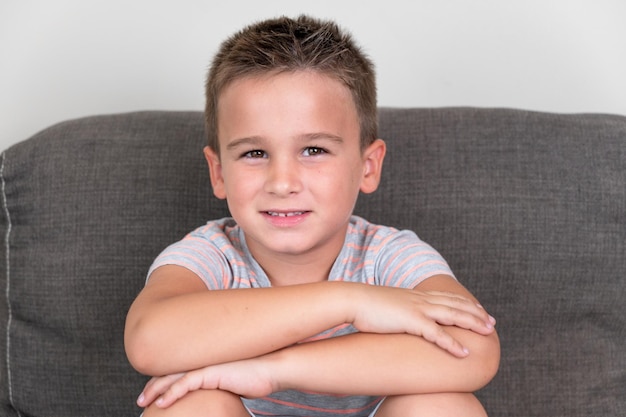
(290, 163)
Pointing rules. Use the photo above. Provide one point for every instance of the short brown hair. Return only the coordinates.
(284, 44)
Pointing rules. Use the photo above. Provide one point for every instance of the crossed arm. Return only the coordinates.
(435, 338)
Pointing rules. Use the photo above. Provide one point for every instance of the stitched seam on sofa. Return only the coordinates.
(7, 236)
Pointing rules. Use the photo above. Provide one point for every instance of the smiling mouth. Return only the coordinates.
(285, 214)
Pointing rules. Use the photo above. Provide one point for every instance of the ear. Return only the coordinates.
(373, 158)
(215, 171)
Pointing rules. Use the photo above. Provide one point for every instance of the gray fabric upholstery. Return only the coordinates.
(529, 209)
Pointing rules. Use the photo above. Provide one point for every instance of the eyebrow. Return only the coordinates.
(252, 140)
(307, 137)
(322, 136)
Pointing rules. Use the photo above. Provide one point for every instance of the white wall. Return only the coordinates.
(62, 59)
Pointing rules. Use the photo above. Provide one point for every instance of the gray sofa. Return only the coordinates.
(529, 208)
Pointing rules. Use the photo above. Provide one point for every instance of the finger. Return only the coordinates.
(452, 316)
(142, 400)
(436, 334)
(155, 387)
(150, 383)
(447, 294)
(460, 311)
(191, 381)
(454, 300)
(476, 309)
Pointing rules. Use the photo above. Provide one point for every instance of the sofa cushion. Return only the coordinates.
(529, 209)
(87, 205)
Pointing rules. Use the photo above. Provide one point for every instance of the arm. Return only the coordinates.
(230, 325)
(177, 318)
(363, 363)
(389, 364)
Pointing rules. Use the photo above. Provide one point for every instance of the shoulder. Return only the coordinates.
(208, 251)
(218, 253)
(223, 235)
(375, 237)
(399, 258)
(220, 229)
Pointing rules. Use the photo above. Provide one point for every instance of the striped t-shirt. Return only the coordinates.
(372, 254)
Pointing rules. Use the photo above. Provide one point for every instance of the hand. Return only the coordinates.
(247, 378)
(421, 313)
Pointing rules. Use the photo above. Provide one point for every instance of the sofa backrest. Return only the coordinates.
(529, 209)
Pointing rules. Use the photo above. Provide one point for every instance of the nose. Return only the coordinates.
(283, 177)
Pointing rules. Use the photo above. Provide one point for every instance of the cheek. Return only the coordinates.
(239, 185)
(338, 180)
(239, 195)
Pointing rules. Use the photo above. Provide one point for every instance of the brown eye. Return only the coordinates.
(255, 154)
(314, 151)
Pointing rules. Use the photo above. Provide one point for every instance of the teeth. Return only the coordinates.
(293, 213)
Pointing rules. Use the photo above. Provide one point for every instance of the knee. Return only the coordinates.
(214, 403)
(439, 405)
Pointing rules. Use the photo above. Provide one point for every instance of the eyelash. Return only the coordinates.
(317, 150)
(258, 153)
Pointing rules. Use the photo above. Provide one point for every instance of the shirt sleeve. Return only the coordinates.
(404, 260)
(198, 253)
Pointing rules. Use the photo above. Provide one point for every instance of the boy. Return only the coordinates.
(309, 310)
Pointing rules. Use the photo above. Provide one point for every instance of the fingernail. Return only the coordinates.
(492, 320)
(141, 399)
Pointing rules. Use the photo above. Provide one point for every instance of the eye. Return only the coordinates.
(257, 153)
(314, 151)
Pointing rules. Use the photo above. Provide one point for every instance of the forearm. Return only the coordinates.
(375, 364)
(391, 364)
(176, 325)
(370, 362)
(198, 329)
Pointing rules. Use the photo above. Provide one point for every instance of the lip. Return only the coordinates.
(285, 218)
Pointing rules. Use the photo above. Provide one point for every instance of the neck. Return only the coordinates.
(286, 273)
(294, 269)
